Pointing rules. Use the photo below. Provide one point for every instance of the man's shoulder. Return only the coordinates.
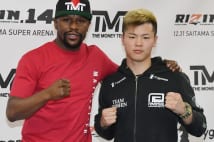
(42, 47)
(179, 76)
(37, 52)
(93, 47)
(113, 77)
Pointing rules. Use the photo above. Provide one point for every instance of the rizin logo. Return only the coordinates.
(194, 19)
(75, 6)
(156, 100)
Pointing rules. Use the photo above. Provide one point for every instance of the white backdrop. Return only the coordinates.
(185, 30)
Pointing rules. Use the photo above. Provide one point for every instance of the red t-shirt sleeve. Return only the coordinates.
(25, 79)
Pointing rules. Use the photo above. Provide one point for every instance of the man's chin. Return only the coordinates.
(73, 46)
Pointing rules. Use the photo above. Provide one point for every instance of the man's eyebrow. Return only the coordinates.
(136, 34)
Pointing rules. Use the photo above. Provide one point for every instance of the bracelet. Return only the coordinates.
(188, 111)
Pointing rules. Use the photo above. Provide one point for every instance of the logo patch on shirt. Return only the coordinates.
(119, 103)
(156, 100)
(113, 84)
(152, 76)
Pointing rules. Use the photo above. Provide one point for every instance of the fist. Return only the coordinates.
(109, 116)
(59, 89)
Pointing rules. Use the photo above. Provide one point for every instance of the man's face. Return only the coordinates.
(138, 42)
(71, 31)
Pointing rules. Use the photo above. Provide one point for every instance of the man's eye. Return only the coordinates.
(65, 19)
(132, 37)
(145, 37)
(81, 20)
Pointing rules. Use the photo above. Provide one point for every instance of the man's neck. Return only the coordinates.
(139, 67)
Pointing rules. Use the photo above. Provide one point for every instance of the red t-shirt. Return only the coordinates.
(65, 120)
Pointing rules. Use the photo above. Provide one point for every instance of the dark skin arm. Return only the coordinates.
(22, 108)
(172, 65)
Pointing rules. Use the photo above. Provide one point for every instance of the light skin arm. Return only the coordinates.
(22, 108)
(109, 116)
(175, 103)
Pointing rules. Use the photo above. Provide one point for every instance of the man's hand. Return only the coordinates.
(172, 65)
(109, 116)
(175, 103)
(59, 89)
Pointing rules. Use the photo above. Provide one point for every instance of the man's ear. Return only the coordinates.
(55, 24)
(156, 40)
(122, 39)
